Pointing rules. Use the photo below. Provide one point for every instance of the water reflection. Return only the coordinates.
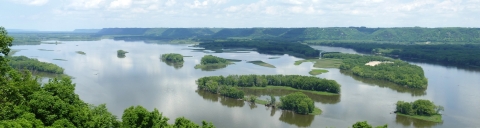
(296, 119)
(175, 65)
(408, 121)
(225, 101)
(279, 92)
(386, 84)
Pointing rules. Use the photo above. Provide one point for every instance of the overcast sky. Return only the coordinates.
(72, 14)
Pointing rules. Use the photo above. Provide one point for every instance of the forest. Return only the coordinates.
(264, 47)
(396, 71)
(27, 103)
(419, 108)
(22, 62)
(448, 54)
(172, 57)
(298, 102)
(294, 81)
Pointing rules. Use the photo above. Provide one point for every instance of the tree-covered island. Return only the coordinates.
(210, 62)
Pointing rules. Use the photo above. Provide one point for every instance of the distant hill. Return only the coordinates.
(331, 34)
(86, 30)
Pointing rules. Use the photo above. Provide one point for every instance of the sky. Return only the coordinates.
(67, 15)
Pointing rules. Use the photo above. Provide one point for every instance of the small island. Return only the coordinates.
(322, 63)
(173, 59)
(210, 63)
(317, 71)
(121, 53)
(299, 103)
(420, 109)
(23, 62)
(81, 52)
(261, 63)
(289, 82)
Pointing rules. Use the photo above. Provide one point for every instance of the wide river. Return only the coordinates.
(141, 78)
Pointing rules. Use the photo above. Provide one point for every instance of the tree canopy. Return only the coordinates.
(298, 102)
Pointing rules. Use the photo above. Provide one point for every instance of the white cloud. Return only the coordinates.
(120, 4)
(86, 4)
(32, 2)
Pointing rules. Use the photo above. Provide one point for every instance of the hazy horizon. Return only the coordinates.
(49, 15)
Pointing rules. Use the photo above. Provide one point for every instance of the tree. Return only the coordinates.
(139, 117)
(362, 124)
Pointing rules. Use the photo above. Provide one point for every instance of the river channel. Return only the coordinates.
(141, 78)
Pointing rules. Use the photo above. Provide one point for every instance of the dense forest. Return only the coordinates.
(298, 102)
(22, 62)
(294, 81)
(27, 103)
(450, 54)
(266, 47)
(396, 71)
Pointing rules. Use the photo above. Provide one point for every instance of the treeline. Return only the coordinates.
(265, 47)
(450, 54)
(35, 38)
(404, 35)
(364, 124)
(396, 71)
(172, 57)
(298, 102)
(418, 108)
(27, 103)
(228, 91)
(22, 62)
(294, 81)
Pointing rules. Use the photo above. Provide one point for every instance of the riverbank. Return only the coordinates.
(290, 88)
(316, 111)
(434, 118)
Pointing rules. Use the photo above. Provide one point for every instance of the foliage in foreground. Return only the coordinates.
(364, 124)
(26, 103)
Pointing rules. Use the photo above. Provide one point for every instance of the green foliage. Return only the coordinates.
(252, 98)
(418, 107)
(26, 103)
(210, 59)
(265, 47)
(396, 71)
(22, 62)
(294, 81)
(228, 91)
(298, 102)
(272, 100)
(121, 53)
(139, 117)
(172, 57)
(364, 124)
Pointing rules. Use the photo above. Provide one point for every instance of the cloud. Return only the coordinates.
(32, 2)
(86, 4)
(120, 4)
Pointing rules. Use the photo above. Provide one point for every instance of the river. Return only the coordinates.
(141, 78)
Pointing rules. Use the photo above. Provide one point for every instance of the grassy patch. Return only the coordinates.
(316, 111)
(322, 63)
(45, 50)
(290, 88)
(261, 63)
(60, 59)
(262, 102)
(81, 52)
(317, 71)
(234, 60)
(273, 57)
(434, 118)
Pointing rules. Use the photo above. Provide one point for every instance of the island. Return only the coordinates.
(173, 59)
(381, 68)
(121, 53)
(317, 71)
(261, 63)
(211, 63)
(420, 109)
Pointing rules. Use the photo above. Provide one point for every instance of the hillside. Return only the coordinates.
(406, 35)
